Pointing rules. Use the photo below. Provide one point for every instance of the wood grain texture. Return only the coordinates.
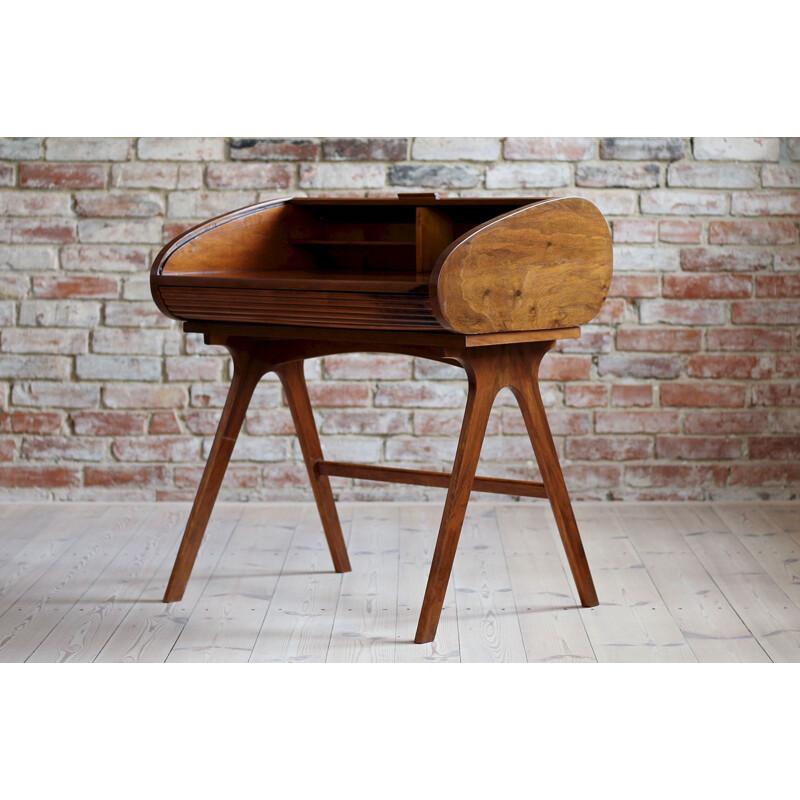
(546, 603)
(299, 621)
(709, 624)
(631, 624)
(547, 265)
(487, 617)
(762, 605)
(150, 629)
(665, 571)
(494, 265)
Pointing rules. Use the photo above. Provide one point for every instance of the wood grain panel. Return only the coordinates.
(547, 265)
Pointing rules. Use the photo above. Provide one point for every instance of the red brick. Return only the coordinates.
(637, 422)
(777, 394)
(422, 395)
(164, 422)
(62, 176)
(19, 476)
(112, 476)
(766, 312)
(783, 420)
(612, 312)
(724, 259)
(249, 176)
(765, 475)
(42, 230)
(175, 228)
(725, 422)
(624, 396)
(634, 286)
(680, 231)
(667, 340)
(709, 395)
(31, 421)
(275, 149)
(625, 366)
(56, 448)
(764, 339)
(609, 448)
(591, 476)
(330, 393)
(590, 341)
(702, 448)
(56, 286)
(585, 395)
(562, 423)
(752, 231)
(717, 366)
(777, 448)
(674, 475)
(549, 149)
(711, 286)
(565, 368)
(777, 285)
(787, 367)
(108, 423)
(682, 312)
(448, 423)
(635, 231)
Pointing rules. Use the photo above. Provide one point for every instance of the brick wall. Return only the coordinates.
(687, 385)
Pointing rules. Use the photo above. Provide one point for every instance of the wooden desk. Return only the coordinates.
(489, 284)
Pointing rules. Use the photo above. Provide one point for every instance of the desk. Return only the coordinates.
(488, 284)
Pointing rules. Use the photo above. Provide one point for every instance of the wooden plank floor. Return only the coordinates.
(684, 582)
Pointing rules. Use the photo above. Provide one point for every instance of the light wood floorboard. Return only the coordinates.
(714, 582)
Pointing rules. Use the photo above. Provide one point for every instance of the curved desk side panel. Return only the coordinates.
(546, 265)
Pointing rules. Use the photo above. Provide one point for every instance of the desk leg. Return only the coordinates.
(526, 390)
(294, 384)
(483, 389)
(247, 372)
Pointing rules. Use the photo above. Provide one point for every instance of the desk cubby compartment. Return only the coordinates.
(464, 265)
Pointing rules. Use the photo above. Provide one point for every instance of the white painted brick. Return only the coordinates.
(25, 366)
(342, 176)
(140, 231)
(118, 368)
(20, 149)
(736, 148)
(645, 259)
(763, 204)
(87, 149)
(525, 176)
(59, 313)
(178, 149)
(206, 204)
(455, 149)
(713, 176)
(28, 257)
(683, 201)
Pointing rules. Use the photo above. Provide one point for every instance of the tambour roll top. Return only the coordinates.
(414, 263)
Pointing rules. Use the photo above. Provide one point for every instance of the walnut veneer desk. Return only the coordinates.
(489, 284)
